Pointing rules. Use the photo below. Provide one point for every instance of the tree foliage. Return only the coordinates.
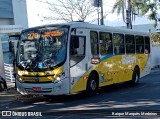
(155, 37)
(120, 7)
(150, 8)
(69, 10)
(142, 7)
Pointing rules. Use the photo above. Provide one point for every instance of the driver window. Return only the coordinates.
(30, 50)
(77, 49)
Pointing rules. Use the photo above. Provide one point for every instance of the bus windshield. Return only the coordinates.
(42, 48)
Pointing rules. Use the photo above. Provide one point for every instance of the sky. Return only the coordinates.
(37, 9)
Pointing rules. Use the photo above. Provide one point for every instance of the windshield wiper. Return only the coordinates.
(49, 62)
(31, 62)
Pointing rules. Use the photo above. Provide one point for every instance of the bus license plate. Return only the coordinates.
(36, 89)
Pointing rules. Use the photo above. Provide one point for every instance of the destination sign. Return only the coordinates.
(54, 33)
(35, 35)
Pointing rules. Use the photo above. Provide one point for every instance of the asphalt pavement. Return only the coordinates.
(11, 94)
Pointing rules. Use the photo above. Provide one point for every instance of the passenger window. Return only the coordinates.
(118, 40)
(139, 44)
(77, 49)
(106, 46)
(147, 44)
(130, 44)
(94, 42)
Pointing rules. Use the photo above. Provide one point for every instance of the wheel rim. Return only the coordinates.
(136, 79)
(93, 85)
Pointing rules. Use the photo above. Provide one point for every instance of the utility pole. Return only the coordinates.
(128, 15)
(99, 3)
(98, 15)
(102, 20)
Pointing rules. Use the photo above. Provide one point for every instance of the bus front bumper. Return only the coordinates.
(59, 88)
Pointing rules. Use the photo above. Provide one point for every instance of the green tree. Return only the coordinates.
(155, 37)
(142, 7)
(150, 8)
(120, 7)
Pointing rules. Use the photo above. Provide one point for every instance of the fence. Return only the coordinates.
(8, 68)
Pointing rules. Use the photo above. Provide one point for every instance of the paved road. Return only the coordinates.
(113, 100)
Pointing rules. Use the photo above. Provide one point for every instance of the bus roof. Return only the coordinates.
(86, 25)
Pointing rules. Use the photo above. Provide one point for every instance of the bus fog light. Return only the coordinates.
(58, 79)
(19, 78)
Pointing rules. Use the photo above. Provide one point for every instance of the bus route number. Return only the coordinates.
(33, 36)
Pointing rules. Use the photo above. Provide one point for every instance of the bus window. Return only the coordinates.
(106, 46)
(77, 49)
(130, 44)
(139, 44)
(94, 42)
(118, 40)
(147, 44)
(74, 45)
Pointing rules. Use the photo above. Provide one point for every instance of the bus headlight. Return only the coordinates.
(20, 73)
(59, 77)
(20, 79)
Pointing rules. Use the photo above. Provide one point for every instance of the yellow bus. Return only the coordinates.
(73, 57)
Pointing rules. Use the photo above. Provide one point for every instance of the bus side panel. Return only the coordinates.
(145, 64)
(119, 68)
(130, 61)
(109, 68)
(115, 69)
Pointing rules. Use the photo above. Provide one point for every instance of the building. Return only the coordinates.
(13, 18)
(13, 12)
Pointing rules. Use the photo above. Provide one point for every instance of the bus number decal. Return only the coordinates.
(33, 36)
(128, 59)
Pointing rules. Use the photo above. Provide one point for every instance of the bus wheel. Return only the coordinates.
(92, 85)
(135, 77)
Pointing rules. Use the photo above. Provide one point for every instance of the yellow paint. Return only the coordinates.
(41, 75)
(113, 71)
(79, 85)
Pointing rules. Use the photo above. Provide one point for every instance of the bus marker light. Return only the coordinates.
(95, 60)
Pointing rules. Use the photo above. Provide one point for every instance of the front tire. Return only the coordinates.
(92, 85)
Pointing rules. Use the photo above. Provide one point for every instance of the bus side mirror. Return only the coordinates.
(14, 37)
(75, 41)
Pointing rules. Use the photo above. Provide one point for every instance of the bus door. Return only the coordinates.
(78, 61)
